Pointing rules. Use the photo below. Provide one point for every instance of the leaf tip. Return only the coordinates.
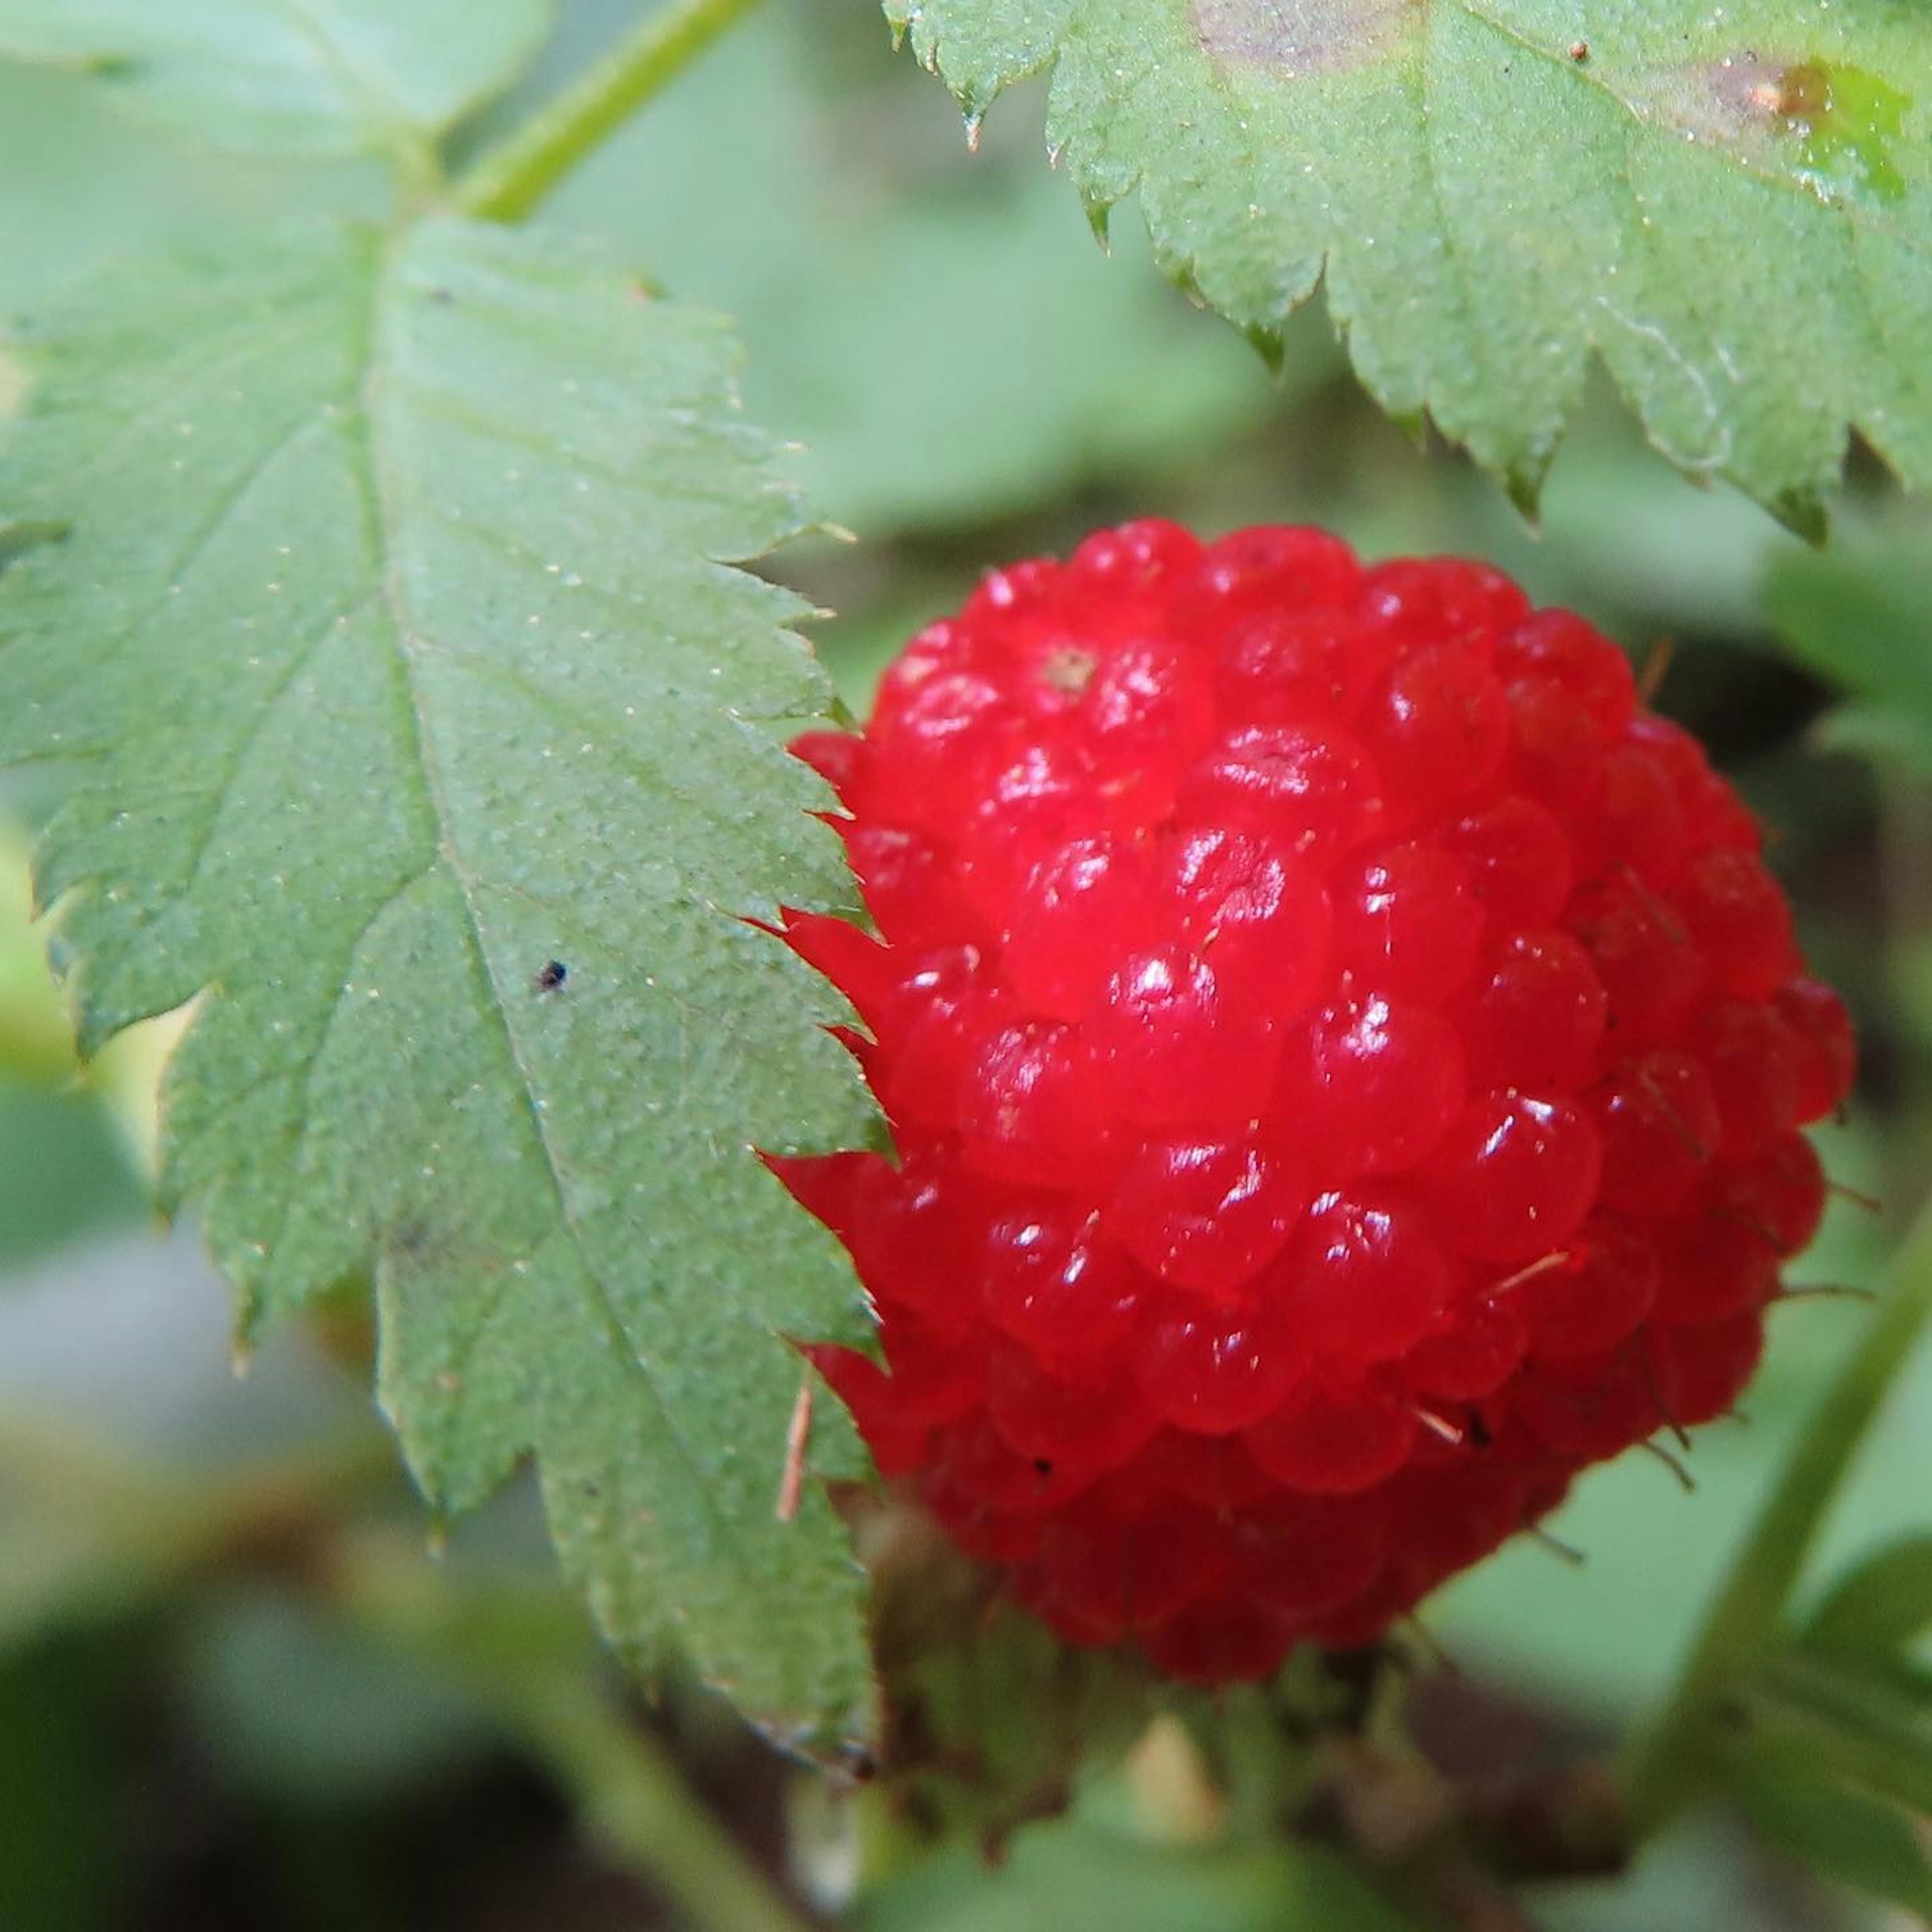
(1803, 513)
(1522, 483)
(1413, 424)
(1269, 344)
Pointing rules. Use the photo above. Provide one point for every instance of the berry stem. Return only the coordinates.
(522, 1657)
(509, 180)
(632, 1796)
(1743, 1622)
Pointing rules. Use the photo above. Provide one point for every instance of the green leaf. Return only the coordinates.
(1861, 1841)
(36, 1042)
(295, 1703)
(65, 1711)
(1732, 210)
(1742, 1622)
(1038, 396)
(1868, 1727)
(1882, 1606)
(1861, 616)
(1076, 1874)
(397, 652)
(63, 1171)
(288, 76)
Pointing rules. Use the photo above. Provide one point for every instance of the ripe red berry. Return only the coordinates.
(1345, 1059)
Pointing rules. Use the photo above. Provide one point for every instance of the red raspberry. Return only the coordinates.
(1345, 1057)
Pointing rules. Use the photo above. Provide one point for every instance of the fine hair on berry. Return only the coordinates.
(1345, 1059)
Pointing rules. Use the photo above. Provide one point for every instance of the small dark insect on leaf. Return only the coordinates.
(1579, 50)
(551, 978)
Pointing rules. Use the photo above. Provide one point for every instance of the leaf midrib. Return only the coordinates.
(382, 501)
(384, 111)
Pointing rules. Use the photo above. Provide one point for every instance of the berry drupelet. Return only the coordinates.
(1345, 1058)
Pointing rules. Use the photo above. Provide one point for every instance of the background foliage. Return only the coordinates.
(234, 1693)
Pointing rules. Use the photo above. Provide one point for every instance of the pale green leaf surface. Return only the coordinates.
(1861, 616)
(1734, 209)
(1868, 1727)
(1862, 1841)
(1882, 1606)
(395, 649)
(287, 77)
(936, 328)
(1059, 1875)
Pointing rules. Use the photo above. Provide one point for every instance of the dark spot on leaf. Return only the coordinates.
(550, 978)
(1042, 1467)
(442, 297)
(17, 539)
(1834, 127)
(410, 1237)
(1294, 37)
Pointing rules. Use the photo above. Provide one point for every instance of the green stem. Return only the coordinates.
(526, 1657)
(632, 1796)
(1744, 1619)
(507, 181)
(173, 1515)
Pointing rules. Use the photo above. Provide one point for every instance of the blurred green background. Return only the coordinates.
(236, 1691)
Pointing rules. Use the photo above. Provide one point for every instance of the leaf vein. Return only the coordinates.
(385, 494)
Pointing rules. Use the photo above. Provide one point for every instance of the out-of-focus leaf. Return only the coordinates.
(1860, 1725)
(80, 183)
(1890, 738)
(1863, 1842)
(36, 1039)
(63, 1714)
(63, 1172)
(396, 651)
(1057, 1877)
(938, 329)
(1880, 1606)
(129, 1450)
(57, 1572)
(298, 1705)
(1860, 616)
(298, 77)
(1492, 191)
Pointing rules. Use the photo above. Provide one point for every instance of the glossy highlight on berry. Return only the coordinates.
(1346, 1060)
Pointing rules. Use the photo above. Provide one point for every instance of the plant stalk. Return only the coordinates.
(529, 1661)
(633, 1798)
(508, 181)
(1746, 1617)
